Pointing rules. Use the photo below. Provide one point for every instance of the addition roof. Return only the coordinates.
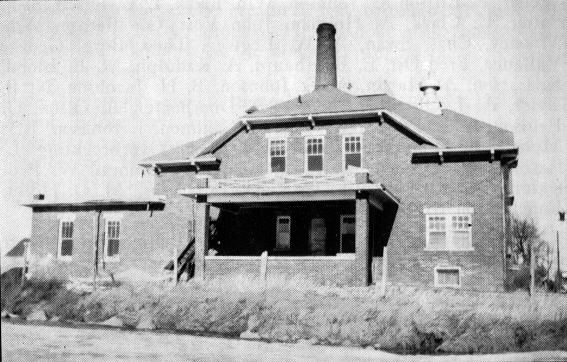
(151, 200)
(448, 130)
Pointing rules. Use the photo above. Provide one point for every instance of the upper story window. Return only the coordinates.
(112, 237)
(352, 147)
(66, 233)
(314, 150)
(448, 228)
(277, 145)
(314, 154)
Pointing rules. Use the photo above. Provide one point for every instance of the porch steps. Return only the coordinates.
(185, 261)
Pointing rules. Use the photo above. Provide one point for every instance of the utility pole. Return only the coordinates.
(532, 270)
(558, 274)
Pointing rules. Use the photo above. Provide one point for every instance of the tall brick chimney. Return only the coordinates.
(326, 68)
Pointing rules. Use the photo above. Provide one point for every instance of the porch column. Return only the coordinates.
(202, 230)
(362, 219)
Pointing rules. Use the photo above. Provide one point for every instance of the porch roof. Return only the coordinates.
(284, 188)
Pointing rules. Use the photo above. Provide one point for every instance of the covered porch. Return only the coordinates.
(327, 228)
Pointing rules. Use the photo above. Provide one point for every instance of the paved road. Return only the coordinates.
(27, 342)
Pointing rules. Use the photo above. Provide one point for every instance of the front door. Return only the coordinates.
(283, 233)
(317, 236)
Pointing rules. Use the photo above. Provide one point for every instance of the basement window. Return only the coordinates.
(66, 232)
(448, 277)
(448, 229)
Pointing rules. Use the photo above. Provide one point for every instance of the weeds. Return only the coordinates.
(405, 320)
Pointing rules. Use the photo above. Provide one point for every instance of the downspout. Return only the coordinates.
(504, 225)
(96, 238)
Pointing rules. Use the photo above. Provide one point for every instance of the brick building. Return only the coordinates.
(324, 183)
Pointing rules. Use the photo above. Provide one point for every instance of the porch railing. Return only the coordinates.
(352, 176)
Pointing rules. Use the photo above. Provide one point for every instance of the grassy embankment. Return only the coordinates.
(405, 320)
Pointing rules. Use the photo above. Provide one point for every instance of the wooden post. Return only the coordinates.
(25, 267)
(532, 270)
(263, 265)
(202, 229)
(558, 274)
(384, 269)
(96, 226)
(175, 266)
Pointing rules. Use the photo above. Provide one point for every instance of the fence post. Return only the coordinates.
(384, 269)
(263, 266)
(26, 260)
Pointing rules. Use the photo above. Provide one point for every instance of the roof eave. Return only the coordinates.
(182, 162)
(507, 155)
(95, 203)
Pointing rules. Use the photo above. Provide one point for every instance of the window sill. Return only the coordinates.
(113, 259)
(65, 259)
(455, 250)
(451, 286)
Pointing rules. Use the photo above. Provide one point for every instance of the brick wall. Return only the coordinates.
(146, 240)
(324, 271)
(387, 154)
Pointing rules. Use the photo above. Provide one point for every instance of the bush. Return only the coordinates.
(10, 285)
(522, 278)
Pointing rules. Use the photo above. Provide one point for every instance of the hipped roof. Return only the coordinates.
(451, 129)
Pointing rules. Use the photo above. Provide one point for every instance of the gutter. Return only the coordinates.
(306, 116)
(507, 155)
(181, 162)
(312, 118)
(97, 203)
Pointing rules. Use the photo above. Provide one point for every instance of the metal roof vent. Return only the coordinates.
(429, 102)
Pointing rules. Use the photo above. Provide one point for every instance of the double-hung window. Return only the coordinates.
(277, 148)
(352, 147)
(66, 234)
(448, 228)
(314, 154)
(314, 150)
(112, 237)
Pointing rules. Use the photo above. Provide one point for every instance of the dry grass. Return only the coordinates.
(288, 309)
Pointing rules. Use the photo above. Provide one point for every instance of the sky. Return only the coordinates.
(89, 89)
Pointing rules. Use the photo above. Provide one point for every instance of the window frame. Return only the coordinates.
(342, 217)
(448, 214)
(306, 155)
(352, 132)
(114, 217)
(63, 218)
(277, 136)
(447, 267)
